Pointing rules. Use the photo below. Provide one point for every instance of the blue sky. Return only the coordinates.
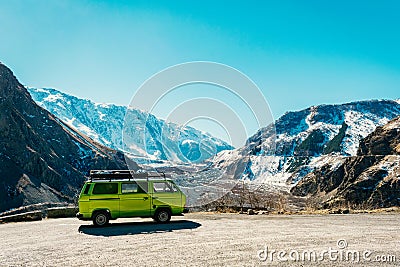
(299, 53)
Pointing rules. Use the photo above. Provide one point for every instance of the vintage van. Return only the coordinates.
(108, 195)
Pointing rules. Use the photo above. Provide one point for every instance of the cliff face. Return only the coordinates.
(385, 140)
(41, 159)
(371, 178)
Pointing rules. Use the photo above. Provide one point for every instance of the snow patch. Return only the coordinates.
(41, 90)
(101, 116)
(61, 105)
(188, 142)
(53, 98)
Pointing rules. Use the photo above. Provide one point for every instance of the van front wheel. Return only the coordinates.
(100, 218)
(162, 216)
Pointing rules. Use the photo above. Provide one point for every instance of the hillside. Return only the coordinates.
(41, 158)
(371, 178)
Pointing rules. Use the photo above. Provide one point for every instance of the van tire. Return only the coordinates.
(100, 218)
(162, 215)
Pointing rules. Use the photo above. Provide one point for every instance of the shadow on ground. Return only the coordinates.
(134, 228)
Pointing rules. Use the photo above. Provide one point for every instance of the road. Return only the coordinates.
(205, 239)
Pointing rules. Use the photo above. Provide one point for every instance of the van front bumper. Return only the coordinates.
(80, 217)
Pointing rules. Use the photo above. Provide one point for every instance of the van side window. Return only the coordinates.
(105, 188)
(164, 187)
(173, 186)
(143, 185)
(128, 188)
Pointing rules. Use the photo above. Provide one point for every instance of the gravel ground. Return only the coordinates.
(203, 239)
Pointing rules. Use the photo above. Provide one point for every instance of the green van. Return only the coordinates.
(123, 194)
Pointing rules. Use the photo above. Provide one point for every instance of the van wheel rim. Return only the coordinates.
(101, 219)
(163, 216)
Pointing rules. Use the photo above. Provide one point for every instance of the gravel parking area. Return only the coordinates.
(206, 239)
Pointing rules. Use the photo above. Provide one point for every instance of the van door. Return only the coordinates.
(165, 193)
(134, 200)
(105, 197)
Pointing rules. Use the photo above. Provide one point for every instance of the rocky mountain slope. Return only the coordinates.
(104, 123)
(372, 178)
(42, 159)
(282, 154)
(323, 129)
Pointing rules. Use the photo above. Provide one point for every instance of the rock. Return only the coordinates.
(334, 211)
(370, 179)
(62, 212)
(22, 217)
(346, 211)
(384, 140)
(263, 212)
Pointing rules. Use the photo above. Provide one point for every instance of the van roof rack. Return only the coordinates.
(124, 174)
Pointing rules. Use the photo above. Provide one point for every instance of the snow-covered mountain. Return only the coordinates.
(104, 123)
(308, 139)
(326, 128)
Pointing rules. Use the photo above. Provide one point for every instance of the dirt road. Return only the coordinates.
(207, 240)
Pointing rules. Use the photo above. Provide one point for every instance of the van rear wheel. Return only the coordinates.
(100, 218)
(162, 216)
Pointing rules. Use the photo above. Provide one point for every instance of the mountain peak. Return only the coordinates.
(6, 73)
(358, 117)
(10, 88)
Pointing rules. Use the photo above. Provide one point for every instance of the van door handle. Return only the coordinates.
(145, 198)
